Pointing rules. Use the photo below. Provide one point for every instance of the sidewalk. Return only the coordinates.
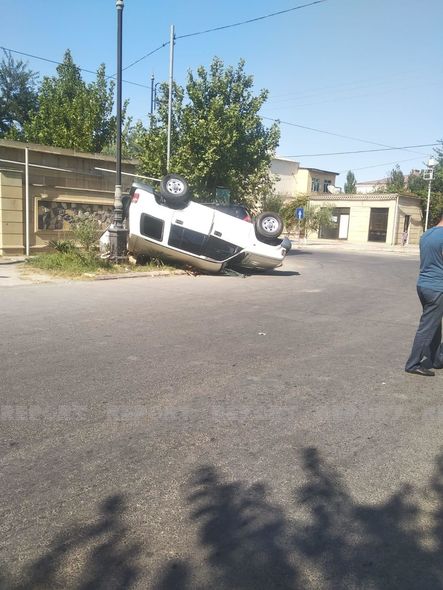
(409, 249)
(12, 273)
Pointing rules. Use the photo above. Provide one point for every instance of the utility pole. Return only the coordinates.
(429, 175)
(151, 112)
(117, 234)
(171, 81)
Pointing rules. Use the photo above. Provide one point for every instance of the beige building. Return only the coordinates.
(293, 179)
(42, 189)
(314, 180)
(285, 171)
(386, 218)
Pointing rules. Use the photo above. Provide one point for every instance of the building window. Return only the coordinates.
(315, 185)
(326, 183)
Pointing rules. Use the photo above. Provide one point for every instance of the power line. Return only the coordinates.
(279, 121)
(251, 20)
(145, 56)
(404, 147)
(221, 28)
(379, 165)
(61, 63)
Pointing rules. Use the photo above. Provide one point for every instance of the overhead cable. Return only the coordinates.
(379, 165)
(145, 56)
(52, 61)
(223, 27)
(403, 147)
(251, 20)
(279, 121)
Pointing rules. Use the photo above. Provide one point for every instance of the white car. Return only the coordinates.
(167, 224)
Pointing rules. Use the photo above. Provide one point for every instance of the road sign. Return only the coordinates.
(222, 195)
(299, 213)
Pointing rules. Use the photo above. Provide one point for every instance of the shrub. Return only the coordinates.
(63, 246)
(272, 203)
(86, 232)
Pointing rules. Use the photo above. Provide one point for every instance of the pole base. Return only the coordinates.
(118, 242)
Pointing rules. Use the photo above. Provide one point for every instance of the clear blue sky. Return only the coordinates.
(368, 69)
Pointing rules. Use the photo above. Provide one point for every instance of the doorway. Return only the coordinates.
(378, 224)
(339, 226)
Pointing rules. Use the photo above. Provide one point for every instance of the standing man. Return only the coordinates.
(427, 351)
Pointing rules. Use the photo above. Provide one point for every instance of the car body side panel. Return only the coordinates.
(234, 230)
(148, 248)
(194, 217)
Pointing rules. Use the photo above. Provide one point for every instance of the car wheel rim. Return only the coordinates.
(269, 224)
(175, 186)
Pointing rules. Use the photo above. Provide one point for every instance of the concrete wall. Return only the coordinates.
(286, 170)
(410, 207)
(11, 213)
(76, 180)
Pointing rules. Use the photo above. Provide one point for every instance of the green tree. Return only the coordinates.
(218, 137)
(314, 216)
(272, 202)
(73, 114)
(18, 96)
(418, 186)
(396, 181)
(351, 183)
(132, 140)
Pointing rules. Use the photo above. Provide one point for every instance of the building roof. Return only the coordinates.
(361, 197)
(46, 149)
(285, 159)
(373, 182)
(318, 170)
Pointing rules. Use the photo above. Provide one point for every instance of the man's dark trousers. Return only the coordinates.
(426, 349)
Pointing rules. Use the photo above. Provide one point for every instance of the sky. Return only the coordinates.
(369, 70)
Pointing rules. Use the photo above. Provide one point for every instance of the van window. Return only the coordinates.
(151, 227)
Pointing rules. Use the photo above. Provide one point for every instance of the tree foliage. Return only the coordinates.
(18, 96)
(396, 181)
(71, 113)
(351, 183)
(418, 186)
(314, 216)
(218, 138)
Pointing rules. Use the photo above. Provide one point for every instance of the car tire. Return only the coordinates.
(174, 190)
(268, 226)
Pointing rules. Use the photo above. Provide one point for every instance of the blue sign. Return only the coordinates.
(299, 213)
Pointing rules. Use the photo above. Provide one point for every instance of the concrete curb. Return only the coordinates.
(135, 275)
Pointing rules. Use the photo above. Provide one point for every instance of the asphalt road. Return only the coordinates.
(221, 432)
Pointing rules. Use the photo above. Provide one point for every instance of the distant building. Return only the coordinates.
(374, 186)
(371, 186)
(389, 218)
(294, 179)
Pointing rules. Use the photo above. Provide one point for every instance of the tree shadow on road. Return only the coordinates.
(394, 545)
(99, 556)
(245, 541)
(251, 544)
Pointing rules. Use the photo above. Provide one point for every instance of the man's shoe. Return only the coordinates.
(438, 366)
(421, 371)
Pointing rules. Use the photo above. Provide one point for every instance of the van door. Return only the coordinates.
(190, 228)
